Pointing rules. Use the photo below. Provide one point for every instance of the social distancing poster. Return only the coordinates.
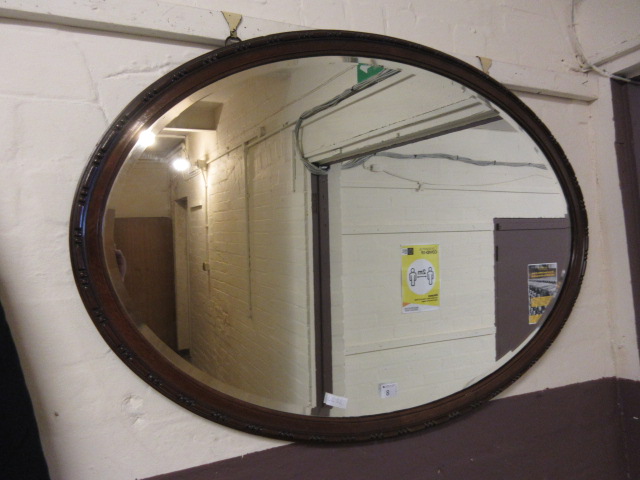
(420, 278)
(543, 285)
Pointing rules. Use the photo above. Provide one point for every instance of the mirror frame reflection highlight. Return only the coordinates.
(117, 326)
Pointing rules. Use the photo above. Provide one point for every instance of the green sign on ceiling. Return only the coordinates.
(366, 71)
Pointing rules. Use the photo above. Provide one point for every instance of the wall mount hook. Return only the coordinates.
(233, 20)
(485, 64)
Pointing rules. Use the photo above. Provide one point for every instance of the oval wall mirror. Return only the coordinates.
(328, 236)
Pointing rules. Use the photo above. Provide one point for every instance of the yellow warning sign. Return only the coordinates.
(543, 285)
(420, 278)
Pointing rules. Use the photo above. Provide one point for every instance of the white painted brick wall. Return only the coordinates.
(60, 90)
(61, 87)
(381, 212)
(250, 331)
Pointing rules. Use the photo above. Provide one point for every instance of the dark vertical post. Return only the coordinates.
(322, 291)
(626, 116)
(21, 455)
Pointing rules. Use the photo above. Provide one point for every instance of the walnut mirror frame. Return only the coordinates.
(117, 326)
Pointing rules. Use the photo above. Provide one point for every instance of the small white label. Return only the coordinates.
(335, 401)
(388, 390)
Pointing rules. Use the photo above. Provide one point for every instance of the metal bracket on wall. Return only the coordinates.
(485, 64)
(233, 20)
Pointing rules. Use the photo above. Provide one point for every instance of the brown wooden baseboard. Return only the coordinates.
(584, 431)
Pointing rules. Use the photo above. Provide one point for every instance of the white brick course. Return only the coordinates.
(61, 86)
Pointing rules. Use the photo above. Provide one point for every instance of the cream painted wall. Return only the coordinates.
(250, 332)
(144, 191)
(382, 211)
(60, 89)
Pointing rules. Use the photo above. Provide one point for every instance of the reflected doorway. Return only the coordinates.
(147, 246)
(524, 247)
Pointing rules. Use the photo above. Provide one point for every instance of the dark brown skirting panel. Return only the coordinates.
(584, 431)
(629, 398)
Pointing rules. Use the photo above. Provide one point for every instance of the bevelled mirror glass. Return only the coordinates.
(328, 236)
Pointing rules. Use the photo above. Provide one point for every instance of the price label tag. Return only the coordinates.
(388, 390)
(335, 401)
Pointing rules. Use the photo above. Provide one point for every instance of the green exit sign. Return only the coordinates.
(367, 71)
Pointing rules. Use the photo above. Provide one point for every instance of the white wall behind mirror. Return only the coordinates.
(215, 262)
(111, 50)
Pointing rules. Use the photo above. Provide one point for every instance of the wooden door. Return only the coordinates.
(147, 246)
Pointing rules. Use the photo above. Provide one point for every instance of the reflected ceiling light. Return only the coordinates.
(147, 138)
(180, 164)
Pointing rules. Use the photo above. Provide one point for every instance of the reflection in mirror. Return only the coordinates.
(345, 236)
